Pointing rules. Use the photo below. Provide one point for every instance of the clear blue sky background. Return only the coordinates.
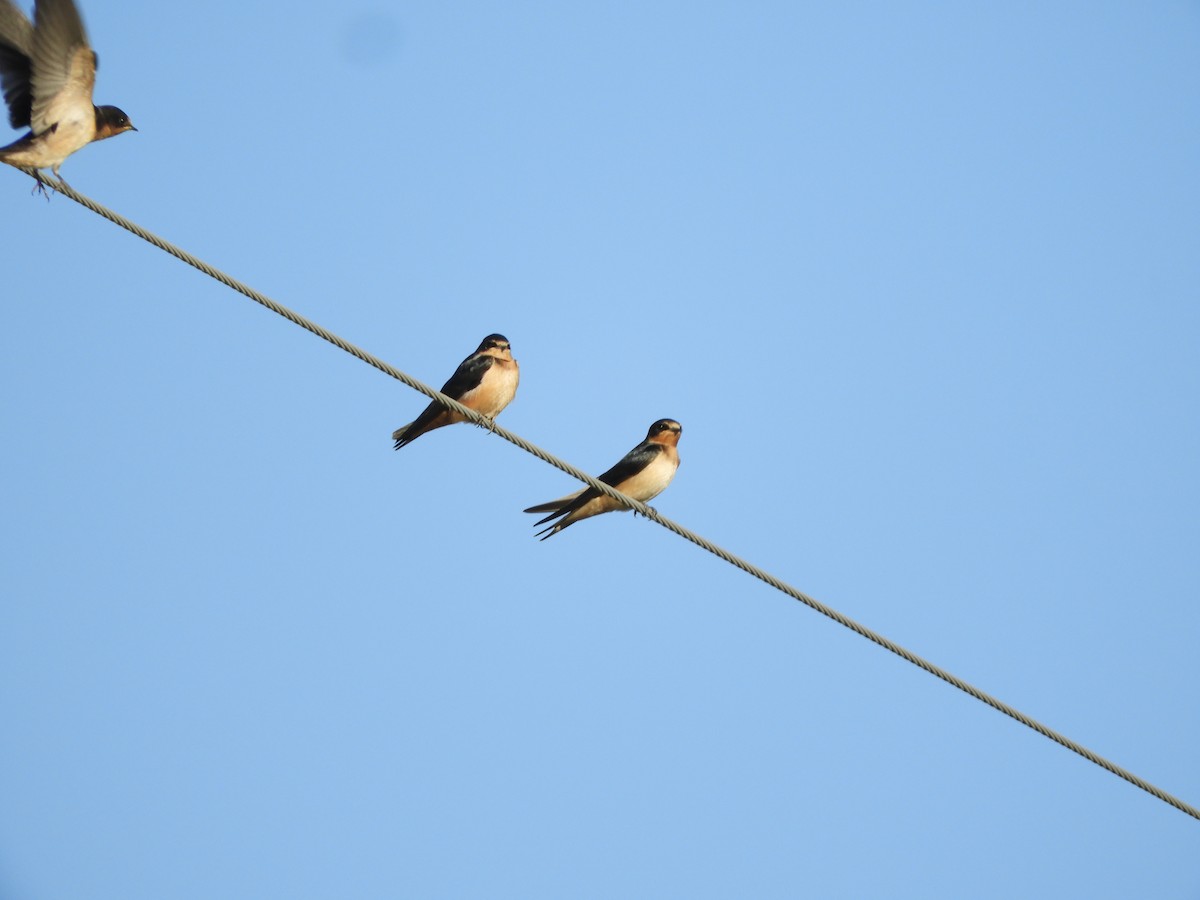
(920, 280)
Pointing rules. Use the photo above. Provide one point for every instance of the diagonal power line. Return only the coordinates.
(637, 506)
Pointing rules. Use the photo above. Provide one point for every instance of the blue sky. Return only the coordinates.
(919, 280)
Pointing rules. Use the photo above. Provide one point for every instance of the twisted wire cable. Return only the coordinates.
(635, 505)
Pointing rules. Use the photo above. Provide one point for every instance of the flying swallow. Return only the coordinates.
(643, 474)
(47, 71)
(486, 381)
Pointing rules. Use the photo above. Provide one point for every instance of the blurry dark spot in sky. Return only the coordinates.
(370, 38)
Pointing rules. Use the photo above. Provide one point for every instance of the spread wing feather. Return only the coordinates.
(16, 50)
(64, 66)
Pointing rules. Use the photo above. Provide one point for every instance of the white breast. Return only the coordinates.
(652, 480)
(497, 390)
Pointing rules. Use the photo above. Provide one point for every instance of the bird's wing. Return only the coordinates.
(468, 376)
(64, 66)
(16, 50)
(631, 463)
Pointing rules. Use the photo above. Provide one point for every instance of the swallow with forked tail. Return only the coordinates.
(486, 381)
(47, 72)
(643, 474)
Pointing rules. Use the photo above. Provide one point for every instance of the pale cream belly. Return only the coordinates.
(497, 390)
(50, 148)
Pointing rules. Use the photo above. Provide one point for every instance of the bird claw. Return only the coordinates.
(40, 186)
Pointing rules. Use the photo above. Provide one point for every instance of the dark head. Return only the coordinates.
(495, 345)
(110, 121)
(494, 341)
(665, 431)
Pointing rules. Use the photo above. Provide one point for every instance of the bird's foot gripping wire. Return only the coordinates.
(39, 186)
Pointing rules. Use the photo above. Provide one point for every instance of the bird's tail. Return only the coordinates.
(560, 507)
(554, 505)
(399, 436)
(551, 531)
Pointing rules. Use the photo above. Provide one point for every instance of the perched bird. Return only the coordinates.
(642, 474)
(47, 71)
(486, 381)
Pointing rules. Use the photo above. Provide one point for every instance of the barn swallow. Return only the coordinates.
(47, 71)
(486, 381)
(643, 474)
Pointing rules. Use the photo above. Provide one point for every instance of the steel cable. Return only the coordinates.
(637, 506)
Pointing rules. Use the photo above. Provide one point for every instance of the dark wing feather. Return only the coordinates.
(59, 73)
(16, 48)
(632, 463)
(468, 376)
